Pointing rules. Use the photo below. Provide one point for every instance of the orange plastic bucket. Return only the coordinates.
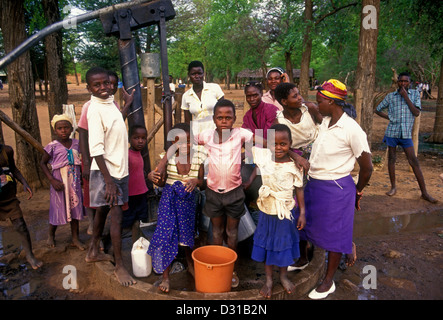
(213, 267)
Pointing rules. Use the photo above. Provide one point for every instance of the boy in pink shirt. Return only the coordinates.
(224, 193)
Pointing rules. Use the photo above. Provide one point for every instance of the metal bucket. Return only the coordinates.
(246, 226)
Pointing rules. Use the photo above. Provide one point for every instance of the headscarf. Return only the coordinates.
(60, 117)
(275, 69)
(336, 91)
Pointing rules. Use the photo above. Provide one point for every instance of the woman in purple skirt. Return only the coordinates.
(331, 194)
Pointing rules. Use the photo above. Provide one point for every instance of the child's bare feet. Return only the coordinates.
(77, 243)
(50, 243)
(266, 290)
(164, 285)
(287, 284)
(391, 192)
(124, 277)
(33, 261)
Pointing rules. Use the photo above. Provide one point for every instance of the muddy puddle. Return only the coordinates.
(368, 224)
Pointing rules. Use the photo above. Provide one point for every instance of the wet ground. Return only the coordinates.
(403, 252)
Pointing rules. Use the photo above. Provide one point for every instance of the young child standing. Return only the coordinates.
(108, 180)
(224, 195)
(66, 200)
(276, 239)
(303, 119)
(177, 207)
(138, 203)
(10, 205)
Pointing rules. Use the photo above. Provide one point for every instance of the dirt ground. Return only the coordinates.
(399, 239)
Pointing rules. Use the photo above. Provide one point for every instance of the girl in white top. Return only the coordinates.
(199, 101)
(276, 239)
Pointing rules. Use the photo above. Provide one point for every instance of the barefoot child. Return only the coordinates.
(10, 205)
(303, 119)
(225, 195)
(66, 200)
(108, 180)
(276, 240)
(84, 145)
(177, 207)
(138, 202)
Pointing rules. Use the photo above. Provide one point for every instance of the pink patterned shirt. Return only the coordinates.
(224, 158)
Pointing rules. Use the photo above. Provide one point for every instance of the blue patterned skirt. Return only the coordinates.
(175, 225)
(276, 242)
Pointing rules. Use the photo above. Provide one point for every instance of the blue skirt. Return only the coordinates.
(175, 225)
(276, 242)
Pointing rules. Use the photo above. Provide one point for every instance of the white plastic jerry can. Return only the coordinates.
(141, 260)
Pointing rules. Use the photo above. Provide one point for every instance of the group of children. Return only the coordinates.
(114, 178)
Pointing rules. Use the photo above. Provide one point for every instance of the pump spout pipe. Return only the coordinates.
(121, 24)
(131, 80)
(66, 23)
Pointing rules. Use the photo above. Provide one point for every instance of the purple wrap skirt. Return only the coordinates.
(330, 213)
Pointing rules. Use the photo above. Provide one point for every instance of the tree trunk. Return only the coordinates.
(289, 66)
(437, 135)
(365, 74)
(228, 79)
(77, 81)
(58, 88)
(21, 92)
(307, 48)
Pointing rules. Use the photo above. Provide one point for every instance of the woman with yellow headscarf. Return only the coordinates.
(331, 194)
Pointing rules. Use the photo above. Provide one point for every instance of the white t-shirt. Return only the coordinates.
(336, 148)
(108, 136)
(304, 132)
(202, 110)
